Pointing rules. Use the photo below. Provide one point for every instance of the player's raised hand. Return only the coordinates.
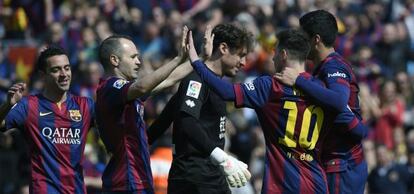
(15, 93)
(208, 43)
(183, 51)
(288, 76)
(192, 53)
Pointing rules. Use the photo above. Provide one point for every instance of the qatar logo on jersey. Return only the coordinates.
(194, 89)
(62, 135)
(75, 115)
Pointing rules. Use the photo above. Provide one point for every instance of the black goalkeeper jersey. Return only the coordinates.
(199, 127)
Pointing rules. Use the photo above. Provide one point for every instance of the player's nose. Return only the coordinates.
(243, 62)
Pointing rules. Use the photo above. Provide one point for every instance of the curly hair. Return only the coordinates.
(235, 37)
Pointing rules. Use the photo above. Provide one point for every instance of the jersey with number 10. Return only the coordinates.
(292, 127)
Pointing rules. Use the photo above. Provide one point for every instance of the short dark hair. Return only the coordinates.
(320, 22)
(110, 45)
(296, 43)
(50, 51)
(235, 37)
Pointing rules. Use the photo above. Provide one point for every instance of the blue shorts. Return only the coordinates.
(351, 181)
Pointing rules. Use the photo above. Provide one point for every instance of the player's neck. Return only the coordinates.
(118, 74)
(299, 66)
(323, 54)
(55, 96)
(215, 66)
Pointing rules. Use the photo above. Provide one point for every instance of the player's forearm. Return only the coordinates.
(196, 134)
(335, 98)
(360, 131)
(163, 121)
(150, 81)
(178, 74)
(223, 88)
(4, 109)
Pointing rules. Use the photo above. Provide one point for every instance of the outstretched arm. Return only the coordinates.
(163, 121)
(185, 69)
(146, 84)
(14, 95)
(223, 88)
(334, 96)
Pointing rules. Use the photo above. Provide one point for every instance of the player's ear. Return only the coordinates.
(317, 40)
(283, 54)
(224, 48)
(114, 60)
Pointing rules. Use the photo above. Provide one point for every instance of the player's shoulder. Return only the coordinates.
(335, 60)
(193, 76)
(112, 82)
(192, 85)
(81, 99)
(25, 100)
(193, 79)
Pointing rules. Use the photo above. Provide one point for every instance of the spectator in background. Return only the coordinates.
(367, 68)
(7, 74)
(89, 80)
(405, 89)
(388, 177)
(391, 116)
(391, 50)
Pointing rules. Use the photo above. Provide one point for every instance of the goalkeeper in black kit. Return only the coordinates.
(199, 118)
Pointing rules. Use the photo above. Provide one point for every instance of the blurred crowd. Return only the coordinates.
(376, 36)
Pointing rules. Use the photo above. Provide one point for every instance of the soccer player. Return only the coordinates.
(342, 156)
(292, 126)
(55, 124)
(119, 107)
(199, 163)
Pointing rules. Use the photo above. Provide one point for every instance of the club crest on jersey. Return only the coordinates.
(75, 115)
(194, 89)
(119, 83)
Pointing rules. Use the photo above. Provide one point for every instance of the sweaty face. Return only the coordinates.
(129, 62)
(233, 61)
(58, 73)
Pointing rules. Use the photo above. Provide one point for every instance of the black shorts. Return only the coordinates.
(184, 187)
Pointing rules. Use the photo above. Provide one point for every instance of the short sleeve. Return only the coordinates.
(192, 94)
(116, 91)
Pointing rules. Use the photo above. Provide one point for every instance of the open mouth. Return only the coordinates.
(64, 82)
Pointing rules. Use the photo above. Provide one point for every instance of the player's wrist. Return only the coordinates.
(8, 105)
(218, 156)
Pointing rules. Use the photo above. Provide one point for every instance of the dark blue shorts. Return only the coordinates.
(351, 181)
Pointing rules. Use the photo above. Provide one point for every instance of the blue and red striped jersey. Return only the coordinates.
(123, 131)
(292, 128)
(340, 150)
(56, 136)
